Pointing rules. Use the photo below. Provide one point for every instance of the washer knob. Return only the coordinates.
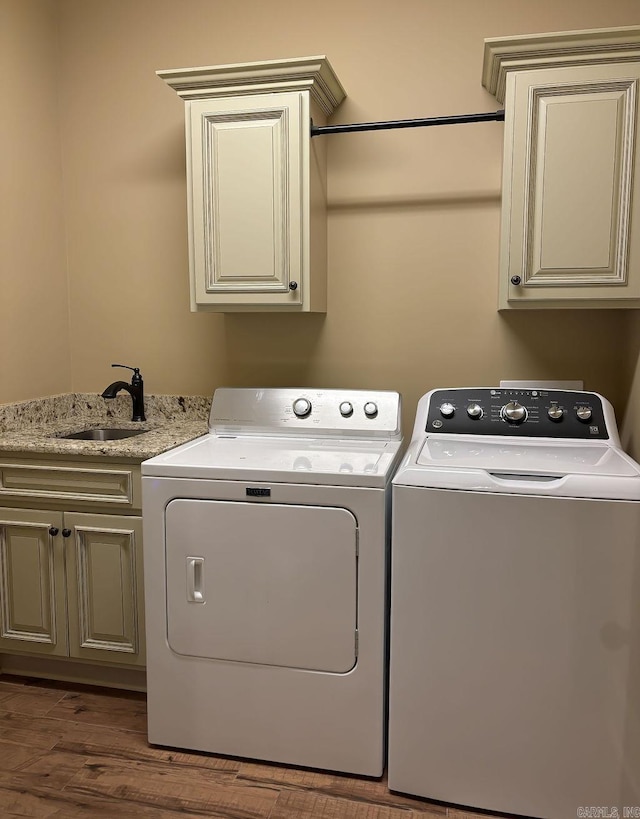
(584, 413)
(346, 409)
(447, 410)
(371, 409)
(302, 407)
(555, 412)
(474, 411)
(513, 412)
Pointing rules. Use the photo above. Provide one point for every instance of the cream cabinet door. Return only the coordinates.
(248, 185)
(32, 583)
(105, 587)
(570, 230)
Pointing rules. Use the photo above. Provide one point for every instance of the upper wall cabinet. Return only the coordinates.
(257, 183)
(570, 234)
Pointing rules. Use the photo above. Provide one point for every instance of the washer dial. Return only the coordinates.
(447, 410)
(555, 412)
(346, 409)
(514, 412)
(584, 414)
(474, 411)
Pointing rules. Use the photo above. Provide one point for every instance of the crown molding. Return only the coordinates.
(563, 48)
(313, 74)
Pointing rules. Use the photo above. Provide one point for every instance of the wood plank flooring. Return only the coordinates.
(70, 751)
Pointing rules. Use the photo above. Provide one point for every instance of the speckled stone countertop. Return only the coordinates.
(33, 428)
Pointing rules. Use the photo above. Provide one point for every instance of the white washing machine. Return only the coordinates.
(265, 552)
(515, 606)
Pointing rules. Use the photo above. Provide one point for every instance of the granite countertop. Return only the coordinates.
(32, 427)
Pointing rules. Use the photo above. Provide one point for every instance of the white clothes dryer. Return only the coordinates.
(266, 551)
(515, 606)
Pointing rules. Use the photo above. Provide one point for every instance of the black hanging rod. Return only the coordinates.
(458, 119)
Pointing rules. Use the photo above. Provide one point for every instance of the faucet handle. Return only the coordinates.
(136, 372)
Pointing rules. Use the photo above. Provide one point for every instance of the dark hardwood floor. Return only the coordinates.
(70, 751)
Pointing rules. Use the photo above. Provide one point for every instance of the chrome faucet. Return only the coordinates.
(135, 390)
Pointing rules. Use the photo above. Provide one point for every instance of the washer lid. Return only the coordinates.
(293, 460)
(555, 468)
(533, 457)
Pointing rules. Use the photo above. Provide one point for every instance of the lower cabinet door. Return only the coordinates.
(105, 587)
(32, 583)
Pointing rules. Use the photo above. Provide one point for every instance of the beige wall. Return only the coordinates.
(34, 318)
(629, 417)
(414, 218)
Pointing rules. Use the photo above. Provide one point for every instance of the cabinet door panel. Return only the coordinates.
(32, 587)
(572, 241)
(250, 248)
(245, 167)
(570, 235)
(104, 577)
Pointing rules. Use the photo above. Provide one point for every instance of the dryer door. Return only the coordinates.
(260, 583)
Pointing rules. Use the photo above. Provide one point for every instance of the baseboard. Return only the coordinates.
(49, 668)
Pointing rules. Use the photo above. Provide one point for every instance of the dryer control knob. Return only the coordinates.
(346, 409)
(555, 412)
(514, 413)
(474, 411)
(370, 409)
(447, 410)
(584, 413)
(302, 407)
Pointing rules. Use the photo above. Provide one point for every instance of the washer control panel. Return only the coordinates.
(517, 412)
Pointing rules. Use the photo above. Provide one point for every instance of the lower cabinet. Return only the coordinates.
(71, 585)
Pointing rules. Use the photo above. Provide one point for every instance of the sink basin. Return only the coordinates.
(103, 434)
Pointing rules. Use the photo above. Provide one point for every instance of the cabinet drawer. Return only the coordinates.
(93, 484)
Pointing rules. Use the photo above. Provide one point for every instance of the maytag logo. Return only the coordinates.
(258, 492)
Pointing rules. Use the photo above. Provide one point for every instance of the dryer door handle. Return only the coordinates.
(195, 579)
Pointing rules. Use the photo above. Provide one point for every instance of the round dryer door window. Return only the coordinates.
(273, 584)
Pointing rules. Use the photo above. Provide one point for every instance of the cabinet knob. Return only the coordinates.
(516, 280)
(66, 533)
(53, 531)
(293, 285)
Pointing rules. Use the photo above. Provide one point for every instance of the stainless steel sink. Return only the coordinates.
(103, 434)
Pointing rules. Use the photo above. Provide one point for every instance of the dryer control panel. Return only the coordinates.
(368, 414)
(517, 413)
